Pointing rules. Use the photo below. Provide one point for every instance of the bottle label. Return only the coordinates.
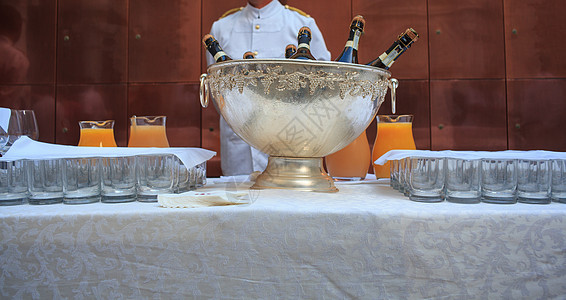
(304, 45)
(356, 40)
(388, 59)
(218, 55)
(349, 44)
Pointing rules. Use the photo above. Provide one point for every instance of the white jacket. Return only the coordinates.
(266, 31)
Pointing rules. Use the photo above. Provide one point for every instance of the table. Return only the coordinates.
(366, 241)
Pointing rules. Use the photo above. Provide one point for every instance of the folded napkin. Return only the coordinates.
(507, 154)
(4, 118)
(194, 199)
(26, 148)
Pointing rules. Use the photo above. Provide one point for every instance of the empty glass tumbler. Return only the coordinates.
(499, 181)
(533, 181)
(558, 185)
(118, 179)
(81, 183)
(45, 181)
(13, 183)
(156, 174)
(462, 180)
(425, 179)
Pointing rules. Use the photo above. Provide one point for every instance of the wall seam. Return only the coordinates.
(428, 79)
(505, 73)
(55, 81)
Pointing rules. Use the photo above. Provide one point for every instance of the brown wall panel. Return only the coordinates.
(35, 41)
(384, 22)
(534, 31)
(179, 102)
(93, 103)
(92, 41)
(536, 114)
(40, 99)
(468, 115)
(164, 41)
(466, 39)
(332, 18)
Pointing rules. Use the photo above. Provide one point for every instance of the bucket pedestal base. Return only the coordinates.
(295, 173)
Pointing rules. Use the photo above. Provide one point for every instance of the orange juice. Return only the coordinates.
(352, 162)
(97, 134)
(148, 136)
(391, 136)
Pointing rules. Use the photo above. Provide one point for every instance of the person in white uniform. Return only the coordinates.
(264, 27)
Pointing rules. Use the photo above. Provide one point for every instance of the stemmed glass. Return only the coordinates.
(28, 124)
(15, 123)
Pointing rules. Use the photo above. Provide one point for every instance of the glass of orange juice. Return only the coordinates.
(148, 131)
(394, 132)
(97, 134)
(352, 162)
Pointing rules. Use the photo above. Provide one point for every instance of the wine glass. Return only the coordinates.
(9, 129)
(28, 123)
(14, 124)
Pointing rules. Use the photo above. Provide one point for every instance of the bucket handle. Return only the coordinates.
(394, 83)
(204, 92)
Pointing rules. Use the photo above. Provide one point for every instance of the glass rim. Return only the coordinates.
(97, 124)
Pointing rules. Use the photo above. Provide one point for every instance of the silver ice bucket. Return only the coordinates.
(296, 111)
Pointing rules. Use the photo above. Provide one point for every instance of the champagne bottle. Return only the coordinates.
(290, 50)
(303, 50)
(213, 47)
(403, 42)
(350, 52)
(249, 55)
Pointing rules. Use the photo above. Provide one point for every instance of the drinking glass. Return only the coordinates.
(533, 181)
(97, 134)
(403, 185)
(10, 129)
(156, 174)
(426, 179)
(118, 179)
(499, 181)
(394, 174)
(352, 162)
(28, 123)
(463, 180)
(81, 180)
(558, 188)
(13, 182)
(393, 132)
(200, 176)
(148, 131)
(45, 181)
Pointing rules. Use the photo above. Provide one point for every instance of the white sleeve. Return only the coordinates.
(318, 46)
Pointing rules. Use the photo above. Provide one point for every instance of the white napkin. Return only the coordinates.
(507, 154)
(26, 148)
(4, 118)
(194, 199)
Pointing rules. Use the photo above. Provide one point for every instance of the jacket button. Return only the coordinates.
(257, 27)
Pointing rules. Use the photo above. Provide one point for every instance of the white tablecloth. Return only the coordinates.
(366, 241)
